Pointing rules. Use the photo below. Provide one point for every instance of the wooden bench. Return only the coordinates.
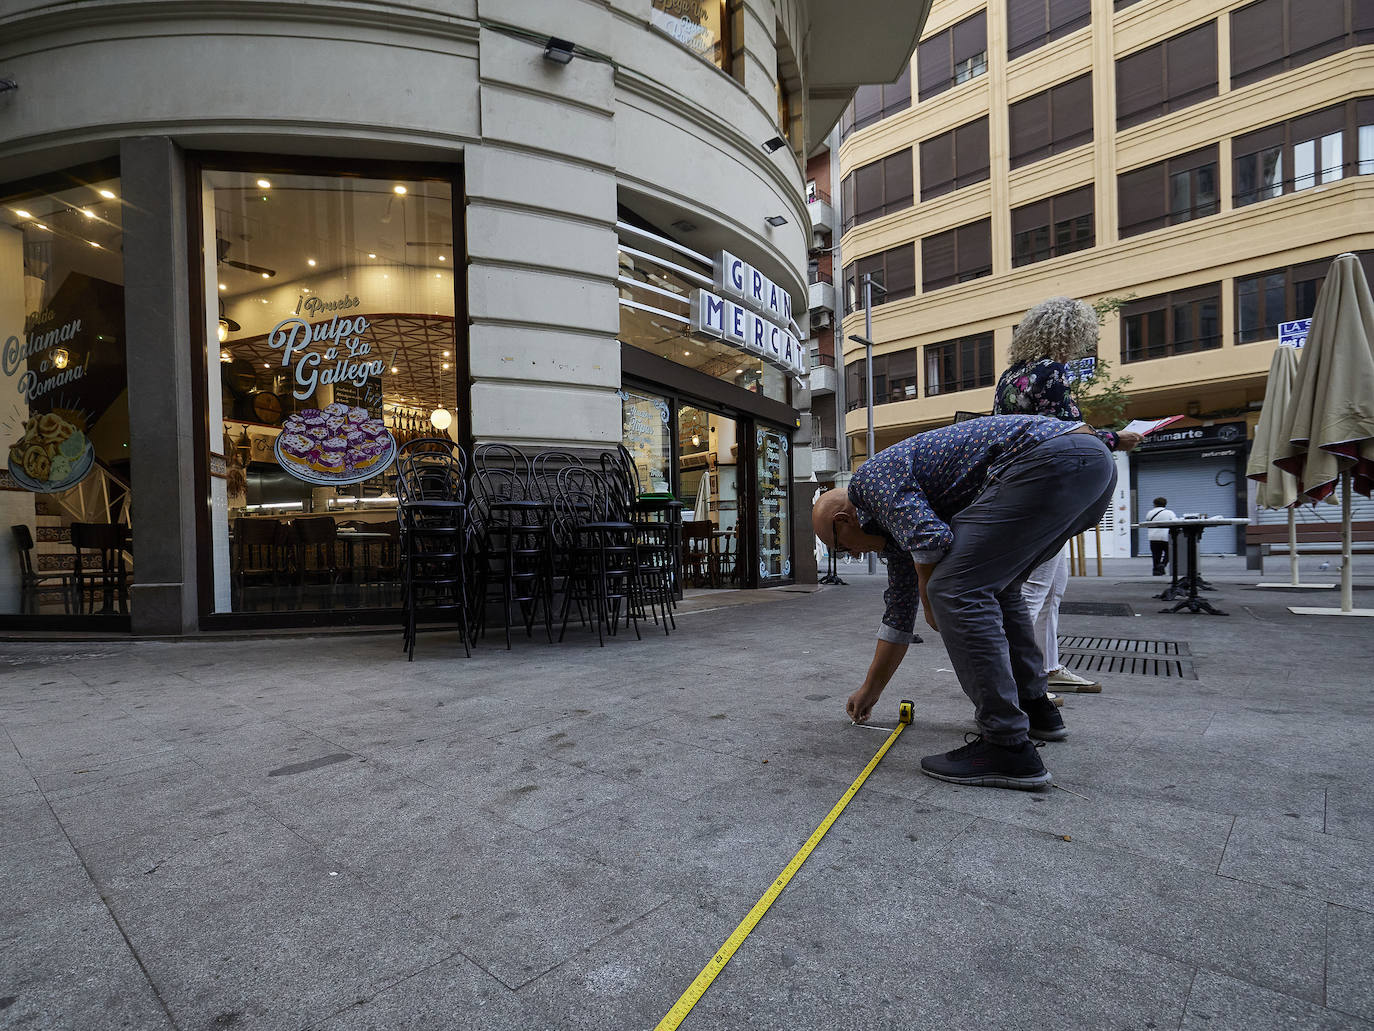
(1313, 539)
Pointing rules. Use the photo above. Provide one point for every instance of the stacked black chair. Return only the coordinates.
(594, 529)
(434, 536)
(517, 541)
(656, 537)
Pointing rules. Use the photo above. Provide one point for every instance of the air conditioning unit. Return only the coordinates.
(820, 318)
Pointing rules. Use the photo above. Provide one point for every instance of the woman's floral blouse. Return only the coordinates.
(1041, 387)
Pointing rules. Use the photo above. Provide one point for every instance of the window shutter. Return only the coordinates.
(1362, 21)
(1073, 204)
(1317, 124)
(901, 364)
(971, 152)
(1315, 30)
(1254, 142)
(848, 208)
(1030, 216)
(1067, 15)
(897, 181)
(937, 260)
(1025, 25)
(868, 192)
(1141, 199)
(1030, 129)
(934, 73)
(937, 165)
(1071, 113)
(901, 272)
(868, 105)
(1256, 41)
(1192, 59)
(1139, 86)
(975, 248)
(971, 37)
(897, 95)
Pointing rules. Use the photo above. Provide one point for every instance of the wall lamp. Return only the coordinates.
(559, 51)
(775, 221)
(776, 143)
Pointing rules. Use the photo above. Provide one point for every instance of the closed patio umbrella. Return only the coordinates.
(703, 507)
(1329, 428)
(1277, 489)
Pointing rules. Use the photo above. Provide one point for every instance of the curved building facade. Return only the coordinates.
(246, 249)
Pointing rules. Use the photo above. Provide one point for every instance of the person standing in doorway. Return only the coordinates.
(1037, 382)
(1159, 536)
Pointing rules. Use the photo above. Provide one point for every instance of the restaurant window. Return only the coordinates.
(1273, 36)
(893, 269)
(647, 432)
(894, 379)
(951, 57)
(1168, 192)
(957, 255)
(64, 410)
(874, 103)
(1166, 77)
(706, 27)
(963, 364)
(877, 189)
(330, 308)
(774, 470)
(954, 159)
(1181, 322)
(1303, 152)
(1052, 122)
(1033, 23)
(1052, 227)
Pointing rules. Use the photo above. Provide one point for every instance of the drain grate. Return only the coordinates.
(1123, 644)
(1095, 608)
(1129, 655)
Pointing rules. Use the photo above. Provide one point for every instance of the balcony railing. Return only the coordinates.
(818, 195)
(817, 276)
(823, 359)
(823, 442)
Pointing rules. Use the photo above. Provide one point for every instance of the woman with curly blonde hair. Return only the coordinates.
(1052, 334)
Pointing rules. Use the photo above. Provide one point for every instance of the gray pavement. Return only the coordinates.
(310, 832)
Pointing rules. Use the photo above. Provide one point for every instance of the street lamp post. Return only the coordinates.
(867, 341)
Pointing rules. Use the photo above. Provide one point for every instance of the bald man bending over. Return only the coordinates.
(962, 515)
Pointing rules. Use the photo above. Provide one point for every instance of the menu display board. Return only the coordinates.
(646, 431)
(774, 479)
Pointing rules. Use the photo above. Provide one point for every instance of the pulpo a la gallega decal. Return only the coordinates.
(335, 443)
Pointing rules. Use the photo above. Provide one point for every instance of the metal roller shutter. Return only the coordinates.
(1192, 487)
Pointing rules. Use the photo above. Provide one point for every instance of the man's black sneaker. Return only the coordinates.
(988, 765)
(1045, 722)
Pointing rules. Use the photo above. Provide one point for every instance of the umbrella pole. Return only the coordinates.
(1292, 546)
(1347, 600)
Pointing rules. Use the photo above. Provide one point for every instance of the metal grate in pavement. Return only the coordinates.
(1095, 608)
(1129, 655)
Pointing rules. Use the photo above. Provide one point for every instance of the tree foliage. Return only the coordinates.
(1102, 396)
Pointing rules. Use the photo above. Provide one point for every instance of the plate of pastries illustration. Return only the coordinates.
(53, 455)
(334, 444)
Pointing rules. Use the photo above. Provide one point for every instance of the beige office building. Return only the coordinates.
(1205, 159)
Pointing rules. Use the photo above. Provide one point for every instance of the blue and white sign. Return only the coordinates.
(753, 316)
(1294, 334)
(1082, 368)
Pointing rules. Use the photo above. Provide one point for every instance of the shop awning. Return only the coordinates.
(853, 43)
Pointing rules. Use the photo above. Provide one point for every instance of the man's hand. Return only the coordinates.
(1127, 441)
(860, 704)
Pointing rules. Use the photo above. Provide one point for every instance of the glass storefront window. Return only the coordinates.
(646, 431)
(774, 479)
(330, 315)
(702, 26)
(65, 497)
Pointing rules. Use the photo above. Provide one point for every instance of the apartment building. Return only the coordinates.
(1203, 161)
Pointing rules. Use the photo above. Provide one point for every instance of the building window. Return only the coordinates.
(874, 103)
(877, 189)
(1168, 192)
(1167, 77)
(953, 56)
(1033, 23)
(963, 364)
(703, 27)
(1052, 122)
(954, 159)
(894, 270)
(1265, 299)
(338, 342)
(1272, 36)
(957, 255)
(1181, 322)
(894, 379)
(1320, 147)
(1052, 227)
(64, 406)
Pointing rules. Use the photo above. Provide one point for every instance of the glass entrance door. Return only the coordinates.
(710, 487)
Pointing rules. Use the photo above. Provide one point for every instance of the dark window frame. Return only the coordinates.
(882, 266)
(983, 373)
(1058, 138)
(890, 170)
(1247, 65)
(939, 57)
(1062, 235)
(1159, 316)
(965, 250)
(1173, 62)
(893, 373)
(956, 141)
(1195, 164)
(1300, 284)
(1274, 147)
(1055, 19)
(894, 97)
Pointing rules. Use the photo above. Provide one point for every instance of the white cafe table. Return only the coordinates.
(1191, 529)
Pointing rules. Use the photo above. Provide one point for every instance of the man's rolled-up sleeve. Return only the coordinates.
(901, 599)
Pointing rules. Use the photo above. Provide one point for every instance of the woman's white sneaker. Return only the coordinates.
(1064, 680)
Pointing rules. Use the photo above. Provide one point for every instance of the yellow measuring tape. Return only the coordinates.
(698, 987)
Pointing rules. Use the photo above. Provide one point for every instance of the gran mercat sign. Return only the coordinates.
(754, 314)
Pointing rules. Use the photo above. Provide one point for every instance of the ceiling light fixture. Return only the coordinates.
(773, 144)
(223, 287)
(696, 440)
(441, 419)
(559, 51)
(372, 255)
(88, 212)
(442, 258)
(394, 369)
(775, 221)
(267, 275)
(310, 262)
(60, 358)
(94, 244)
(264, 184)
(225, 356)
(445, 354)
(22, 213)
(40, 225)
(399, 190)
(107, 194)
(446, 366)
(223, 334)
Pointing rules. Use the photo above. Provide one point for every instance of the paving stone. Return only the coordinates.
(1220, 1003)
(1350, 961)
(1292, 857)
